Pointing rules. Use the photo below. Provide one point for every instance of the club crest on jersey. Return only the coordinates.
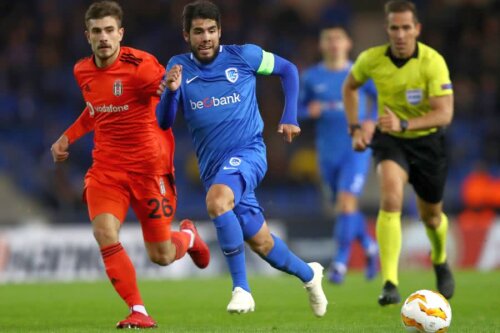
(235, 161)
(232, 74)
(118, 88)
(414, 96)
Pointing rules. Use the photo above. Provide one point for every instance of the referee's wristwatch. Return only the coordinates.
(403, 123)
(353, 128)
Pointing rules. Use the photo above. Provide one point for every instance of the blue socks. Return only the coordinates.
(362, 234)
(346, 228)
(280, 257)
(231, 242)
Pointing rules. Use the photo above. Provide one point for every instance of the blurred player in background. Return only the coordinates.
(415, 101)
(216, 86)
(132, 157)
(343, 170)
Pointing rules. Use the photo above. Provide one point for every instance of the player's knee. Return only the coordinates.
(218, 205)
(347, 203)
(105, 236)
(391, 202)
(262, 246)
(162, 259)
(432, 220)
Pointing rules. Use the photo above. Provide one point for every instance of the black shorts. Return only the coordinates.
(424, 159)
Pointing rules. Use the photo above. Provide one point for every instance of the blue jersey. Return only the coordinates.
(325, 86)
(220, 104)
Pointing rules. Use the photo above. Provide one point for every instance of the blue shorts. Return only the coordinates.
(243, 172)
(347, 174)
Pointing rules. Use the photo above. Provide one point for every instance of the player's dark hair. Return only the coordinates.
(330, 26)
(101, 9)
(400, 6)
(199, 9)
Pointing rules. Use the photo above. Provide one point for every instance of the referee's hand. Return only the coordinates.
(389, 122)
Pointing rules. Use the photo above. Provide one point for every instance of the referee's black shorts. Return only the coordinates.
(424, 159)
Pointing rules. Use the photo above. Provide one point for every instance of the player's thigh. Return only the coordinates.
(330, 171)
(154, 200)
(106, 192)
(352, 178)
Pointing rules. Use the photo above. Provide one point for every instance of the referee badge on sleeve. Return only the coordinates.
(414, 96)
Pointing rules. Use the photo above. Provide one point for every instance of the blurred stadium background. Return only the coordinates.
(40, 203)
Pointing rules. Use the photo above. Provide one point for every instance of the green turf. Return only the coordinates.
(198, 305)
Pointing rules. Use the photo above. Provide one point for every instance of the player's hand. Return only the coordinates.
(388, 121)
(174, 78)
(314, 109)
(289, 131)
(59, 149)
(161, 87)
(359, 140)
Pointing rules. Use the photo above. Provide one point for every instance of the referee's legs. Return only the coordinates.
(436, 224)
(392, 178)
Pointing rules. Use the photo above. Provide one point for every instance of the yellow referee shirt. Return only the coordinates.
(406, 89)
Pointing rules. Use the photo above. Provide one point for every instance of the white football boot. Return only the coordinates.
(317, 298)
(241, 302)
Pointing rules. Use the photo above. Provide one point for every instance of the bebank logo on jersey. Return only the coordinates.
(213, 101)
(232, 74)
(110, 108)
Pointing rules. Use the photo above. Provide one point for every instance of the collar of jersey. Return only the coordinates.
(400, 62)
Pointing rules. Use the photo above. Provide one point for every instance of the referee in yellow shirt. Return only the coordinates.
(415, 101)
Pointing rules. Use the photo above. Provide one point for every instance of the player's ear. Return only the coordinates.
(186, 36)
(87, 35)
(121, 31)
(418, 28)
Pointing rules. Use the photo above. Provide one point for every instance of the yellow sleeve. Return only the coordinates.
(360, 68)
(439, 77)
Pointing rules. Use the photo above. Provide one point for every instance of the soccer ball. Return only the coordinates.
(426, 311)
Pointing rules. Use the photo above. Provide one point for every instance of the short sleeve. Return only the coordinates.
(439, 77)
(261, 61)
(150, 74)
(360, 68)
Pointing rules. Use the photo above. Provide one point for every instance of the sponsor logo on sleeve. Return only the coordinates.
(446, 86)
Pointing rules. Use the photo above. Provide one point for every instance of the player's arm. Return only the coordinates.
(166, 109)
(289, 75)
(350, 97)
(83, 125)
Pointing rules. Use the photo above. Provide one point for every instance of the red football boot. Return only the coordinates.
(200, 253)
(137, 320)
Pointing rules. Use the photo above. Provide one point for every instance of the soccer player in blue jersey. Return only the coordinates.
(343, 170)
(215, 84)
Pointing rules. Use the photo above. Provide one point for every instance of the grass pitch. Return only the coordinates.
(198, 305)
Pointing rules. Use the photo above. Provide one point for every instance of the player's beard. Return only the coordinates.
(205, 60)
